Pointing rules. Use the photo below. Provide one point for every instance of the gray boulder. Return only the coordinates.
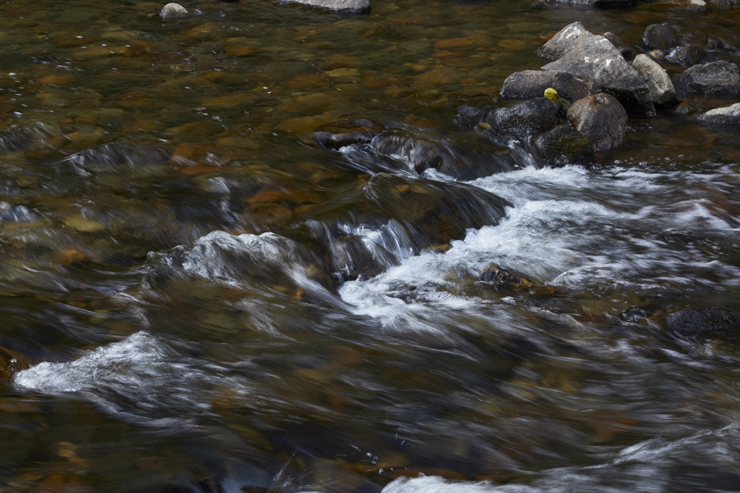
(659, 36)
(656, 78)
(529, 117)
(728, 114)
(715, 77)
(601, 119)
(350, 6)
(564, 145)
(565, 40)
(595, 58)
(532, 84)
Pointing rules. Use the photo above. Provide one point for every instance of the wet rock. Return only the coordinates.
(715, 77)
(532, 84)
(565, 40)
(698, 6)
(690, 55)
(422, 154)
(343, 133)
(564, 145)
(173, 11)
(349, 6)
(601, 119)
(115, 155)
(729, 114)
(585, 55)
(433, 212)
(656, 78)
(494, 276)
(659, 36)
(529, 117)
(699, 321)
(624, 49)
(353, 259)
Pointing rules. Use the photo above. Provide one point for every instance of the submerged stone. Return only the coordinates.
(343, 133)
(114, 155)
(422, 154)
(349, 6)
(700, 321)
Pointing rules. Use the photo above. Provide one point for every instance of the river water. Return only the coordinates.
(196, 297)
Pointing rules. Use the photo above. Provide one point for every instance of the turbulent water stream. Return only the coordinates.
(196, 297)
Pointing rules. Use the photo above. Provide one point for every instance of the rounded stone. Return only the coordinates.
(173, 11)
(660, 37)
(601, 119)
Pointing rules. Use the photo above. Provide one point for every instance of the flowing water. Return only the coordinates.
(196, 297)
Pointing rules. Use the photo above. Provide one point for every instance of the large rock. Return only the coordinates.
(529, 117)
(715, 77)
(729, 114)
(343, 133)
(564, 145)
(656, 78)
(588, 56)
(532, 84)
(701, 321)
(350, 6)
(659, 36)
(565, 40)
(601, 119)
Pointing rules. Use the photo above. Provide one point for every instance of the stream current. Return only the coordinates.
(196, 297)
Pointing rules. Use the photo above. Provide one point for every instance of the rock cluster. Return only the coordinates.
(591, 86)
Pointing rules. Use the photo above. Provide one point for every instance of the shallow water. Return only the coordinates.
(197, 297)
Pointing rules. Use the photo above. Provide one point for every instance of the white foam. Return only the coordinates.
(138, 376)
(433, 484)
